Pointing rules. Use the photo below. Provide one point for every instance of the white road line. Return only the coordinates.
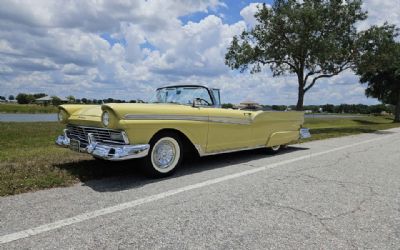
(123, 206)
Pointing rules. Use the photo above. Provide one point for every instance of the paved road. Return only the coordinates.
(334, 194)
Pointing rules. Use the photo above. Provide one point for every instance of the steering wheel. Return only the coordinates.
(203, 100)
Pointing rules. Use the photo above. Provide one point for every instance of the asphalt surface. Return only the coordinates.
(341, 193)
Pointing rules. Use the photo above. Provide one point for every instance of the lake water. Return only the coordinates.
(53, 117)
(28, 118)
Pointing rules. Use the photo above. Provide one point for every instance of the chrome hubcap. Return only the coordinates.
(164, 154)
(276, 148)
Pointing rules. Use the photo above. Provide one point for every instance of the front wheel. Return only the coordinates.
(164, 156)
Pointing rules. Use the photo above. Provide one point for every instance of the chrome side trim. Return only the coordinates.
(203, 153)
(166, 117)
(216, 119)
(230, 120)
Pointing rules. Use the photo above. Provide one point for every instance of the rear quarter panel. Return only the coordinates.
(276, 128)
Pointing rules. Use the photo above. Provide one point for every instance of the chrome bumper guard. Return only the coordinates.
(305, 133)
(109, 152)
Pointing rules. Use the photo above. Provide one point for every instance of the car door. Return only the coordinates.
(228, 129)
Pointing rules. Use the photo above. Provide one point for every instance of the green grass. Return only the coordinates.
(322, 128)
(29, 160)
(26, 108)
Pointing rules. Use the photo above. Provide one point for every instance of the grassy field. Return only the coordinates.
(26, 108)
(324, 128)
(29, 160)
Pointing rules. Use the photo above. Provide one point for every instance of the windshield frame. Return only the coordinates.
(209, 91)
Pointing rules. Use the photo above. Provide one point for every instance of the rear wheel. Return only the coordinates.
(164, 156)
(274, 149)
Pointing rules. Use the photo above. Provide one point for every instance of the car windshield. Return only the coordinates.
(183, 95)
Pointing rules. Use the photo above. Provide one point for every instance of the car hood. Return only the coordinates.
(92, 111)
(87, 115)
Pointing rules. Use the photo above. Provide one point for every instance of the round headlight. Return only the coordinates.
(105, 118)
(62, 116)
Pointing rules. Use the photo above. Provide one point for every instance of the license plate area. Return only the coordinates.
(305, 133)
(75, 145)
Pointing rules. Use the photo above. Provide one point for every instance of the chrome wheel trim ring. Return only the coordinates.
(276, 148)
(165, 154)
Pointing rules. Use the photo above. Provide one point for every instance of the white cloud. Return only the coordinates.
(380, 12)
(248, 12)
(125, 49)
(199, 49)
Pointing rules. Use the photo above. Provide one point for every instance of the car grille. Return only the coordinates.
(100, 134)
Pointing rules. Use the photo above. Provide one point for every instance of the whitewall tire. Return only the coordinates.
(274, 149)
(165, 155)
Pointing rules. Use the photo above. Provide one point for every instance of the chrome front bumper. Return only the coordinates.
(109, 152)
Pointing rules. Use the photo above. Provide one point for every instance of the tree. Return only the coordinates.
(378, 109)
(55, 101)
(378, 64)
(2, 98)
(279, 107)
(313, 39)
(227, 105)
(11, 98)
(329, 108)
(109, 100)
(39, 95)
(23, 98)
(71, 99)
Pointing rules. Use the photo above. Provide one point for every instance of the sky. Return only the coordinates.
(126, 49)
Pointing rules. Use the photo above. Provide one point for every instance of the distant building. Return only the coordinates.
(249, 105)
(47, 100)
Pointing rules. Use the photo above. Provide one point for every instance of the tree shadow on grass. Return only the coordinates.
(366, 122)
(106, 176)
(349, 130)
(344, 131)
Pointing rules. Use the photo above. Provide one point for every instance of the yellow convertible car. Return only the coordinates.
(180, 118)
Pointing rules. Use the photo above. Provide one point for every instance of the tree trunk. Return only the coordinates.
(397, 110)
(300, 98)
